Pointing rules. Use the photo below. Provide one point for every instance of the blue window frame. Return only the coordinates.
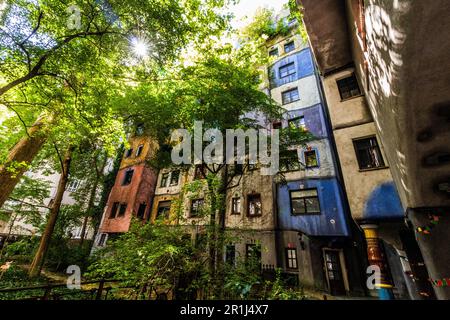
(290, 96)
(287, 70)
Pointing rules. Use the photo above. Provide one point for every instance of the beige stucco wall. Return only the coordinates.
(307, 90)
(344, 112)
(359, 184)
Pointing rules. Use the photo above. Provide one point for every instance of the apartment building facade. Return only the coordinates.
(369, 77)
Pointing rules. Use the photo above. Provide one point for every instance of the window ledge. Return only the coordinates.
(254, 216)
(373, 169)
(351, 98)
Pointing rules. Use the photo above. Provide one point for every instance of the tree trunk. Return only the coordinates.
(88, 211)
(13, 221)
(24, 151)
(36, 265)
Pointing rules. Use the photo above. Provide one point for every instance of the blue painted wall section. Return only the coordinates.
(383, 203)
(330, 198)
(314, 119)
(303, 65)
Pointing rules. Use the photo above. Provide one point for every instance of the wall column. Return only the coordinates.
(376, 257)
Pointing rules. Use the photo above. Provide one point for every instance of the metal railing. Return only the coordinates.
(50, 294)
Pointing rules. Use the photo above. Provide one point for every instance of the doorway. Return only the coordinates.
(333, 271)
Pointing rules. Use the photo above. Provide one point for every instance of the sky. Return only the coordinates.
(247, 8)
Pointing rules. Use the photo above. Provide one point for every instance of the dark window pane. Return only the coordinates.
(348, 87)
(304, 202)
(128, 176)
(139, 150)
(230, 255)
(163, 210)
(290, 96)
(128, 153)
(164, 179)
(288, 47)
(298, 122)
(141, 211)
(175, 177)
(368, 153)
(122, 209)
(114, 210)
(274, 52)
(254, 205)
(287, 70)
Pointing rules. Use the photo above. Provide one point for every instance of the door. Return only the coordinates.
(333, 271)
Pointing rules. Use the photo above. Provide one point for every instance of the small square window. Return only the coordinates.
(164, 179)
(276, 125)
(311, 160)
(128, 176)
(273, 53)
(368, 153)
(139, 150)
(287, 70)
(348, 87)
(73, 185)
(163, 210)
(288, 47)
(236, 205)
(254, 207)
(175, 177)
(298, 122)
(196, 207)
(290, 96)
(304, 202)
(291, 258)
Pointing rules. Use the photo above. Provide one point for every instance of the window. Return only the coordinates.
(200, 172)
(254, 205)
(276, 125)
(174, 177)
(304, 202)
(73, 185)
(127, 177)
(122, 209)
(348, 87)
(287, 70)
(102, 240)
(236, 206)
(237, 169)
(163, 210)
(291, 258)
(139, 150)
(273, 53)
(290, 96)
(298, 122)
(114, 210)
(230, 254)
(141, 211)
(253, 252)
(164, 179)
(311, 160)
(289, 161)
(196, 207)
(140, 130)
(288, 47)
(368, 153)
(128, 153)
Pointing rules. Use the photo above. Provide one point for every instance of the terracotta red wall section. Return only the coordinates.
(141, 189)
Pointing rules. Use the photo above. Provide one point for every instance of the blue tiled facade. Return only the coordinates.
(303, 64)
